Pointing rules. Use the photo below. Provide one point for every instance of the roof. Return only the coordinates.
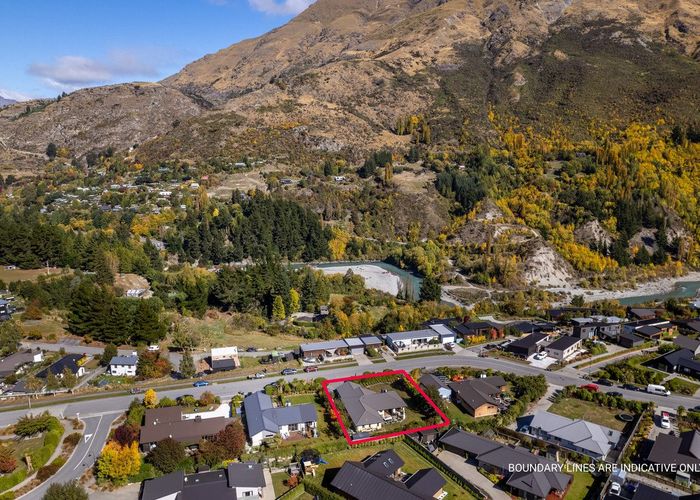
(476, 392)
(261, 415)
(124, 360)
(644, 492)
(414, 334)
(330, 345)
(370, 340)
(631, 336)
(442, 330)
(501, 456)
(245, 475)
(681, 357)
(594, 438)
(648, 331)
(371, 479)
(162, 423)
(363, 405)
(529, 341)
(431, 380)
(687, 343)
(69, 361)
(223, 364)
(11, 363)
(354, 342)
(159, 487)
(681, 449)
(564, 342)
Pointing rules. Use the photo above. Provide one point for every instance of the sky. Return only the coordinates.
(48, 46)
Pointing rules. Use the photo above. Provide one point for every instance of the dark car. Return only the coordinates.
(289, 371)
(697, 408)
(615, 394)
(630, 387)
(604, 381)
(252, 349)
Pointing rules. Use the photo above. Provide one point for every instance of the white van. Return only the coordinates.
(658, 389)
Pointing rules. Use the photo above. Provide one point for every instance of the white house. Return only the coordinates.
(123, 366)
(564, 347)
(430, 338)
(224, 358)
(264, 420)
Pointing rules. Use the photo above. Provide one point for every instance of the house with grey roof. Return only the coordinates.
(123, 366)
(330, 349)
(564, 347)
(685, 342)
(437, 382)
(380, 476)
(369, 410)
(577, 435)
(541, 480)
(169, 422)
(433, 337)
(239, 481)
(264, 420)
(681, 450)
(15, 362)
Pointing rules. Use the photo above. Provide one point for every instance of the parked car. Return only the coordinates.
(630, 387)
(251, 349)
(311, 369)
(590, 387)
(658, 389)
(605, 382)
(615, 394)
(540, 355)
(154, 347)
(136, 390)
(201, 383)
(257, 375)
(615, 489)
(665, 420)
(697, 408)
(289, 371)
(450, 345)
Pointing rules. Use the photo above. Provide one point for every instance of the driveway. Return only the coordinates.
(541, 363)
(362, 359)
(469, 472)
(95, 435)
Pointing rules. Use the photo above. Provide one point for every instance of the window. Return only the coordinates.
(293, 427)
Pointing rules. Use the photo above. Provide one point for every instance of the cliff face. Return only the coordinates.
(340, 74)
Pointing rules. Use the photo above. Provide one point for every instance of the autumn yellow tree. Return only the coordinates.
(117, 462)
(150, 399)
(294, 301)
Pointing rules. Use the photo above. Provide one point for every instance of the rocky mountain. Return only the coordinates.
(4, 101)
(339, 75)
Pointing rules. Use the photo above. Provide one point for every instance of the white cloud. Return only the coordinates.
(73, 72)
(15, 96)
(281, 7)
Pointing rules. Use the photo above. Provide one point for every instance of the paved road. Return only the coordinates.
(95, 435)
(465, 358)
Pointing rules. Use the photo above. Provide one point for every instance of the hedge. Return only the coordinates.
(319, 491)
(296, 492)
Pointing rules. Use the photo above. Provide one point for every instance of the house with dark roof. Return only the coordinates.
(479, 397)
(646, 492)
(224, 358)
(380, 476)
(330, 349)
(578, 435)
(564, 347)
(264, 420)
(70, 362)
(369, 410)
(527, 346)
(437, 382)
(542, 480)
(15, 362)
(679, 361)
(526, 327)
(488, 329)
(630, 340)
(685, 342)
(599, 329)
(168, 422)
(688, 326)
(562, 314)
(123, 366)
(239, 481)
(650, 328)
(642, 313)
(683, 449)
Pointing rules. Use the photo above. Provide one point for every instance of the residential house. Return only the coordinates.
(331, 349)
(600, 329)
(646, 492)
(71, 362)
(562, 314)
(683, 449)
(650, 328)
(630, 340)
(6, 310)
(540, 482)
(578, 435)
(642, 313)
(168, 422)
(380, 476)
(414, 340)
(265, 420)
(564, 347)
(679, 361)
(688, 326)
(123, 366)
(480, 397)
(691, 344)
(224, 358)
(239, 481)
(488, 329)
(370, 341)
(15, 362)
(527, 346)
(437, 382)
(369, 410)
(527, 327)
(355, 345)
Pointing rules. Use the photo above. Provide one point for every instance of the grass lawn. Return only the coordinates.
(413, 462)
(587, 410)
(47, 328)
(10, 275)
(24, 447)
(298, 399)
(457, 415)
(580, 486)
(682, 386)
(223, 332)
(278, 479)
(434, 352)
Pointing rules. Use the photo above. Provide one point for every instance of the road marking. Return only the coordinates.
(97, 427)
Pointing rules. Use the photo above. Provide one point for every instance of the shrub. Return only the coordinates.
(73, 439)
(8, 462)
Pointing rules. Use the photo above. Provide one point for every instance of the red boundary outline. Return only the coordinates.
(445, 420)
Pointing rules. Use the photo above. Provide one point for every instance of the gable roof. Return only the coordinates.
(124, 360)
(245, 475)
(588, 436)
(681, 357)
(564, 342)
(69, 361)
(162, 423)
(476, 392)
(163, 486)
(468, 442)
(682, 449)
(687, 343)
(261, 415)
(11, 363)
(529, 341)
(631, 336)
(363, 405)
(432, 380)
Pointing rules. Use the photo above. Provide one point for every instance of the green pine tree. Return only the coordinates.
(187, 368)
